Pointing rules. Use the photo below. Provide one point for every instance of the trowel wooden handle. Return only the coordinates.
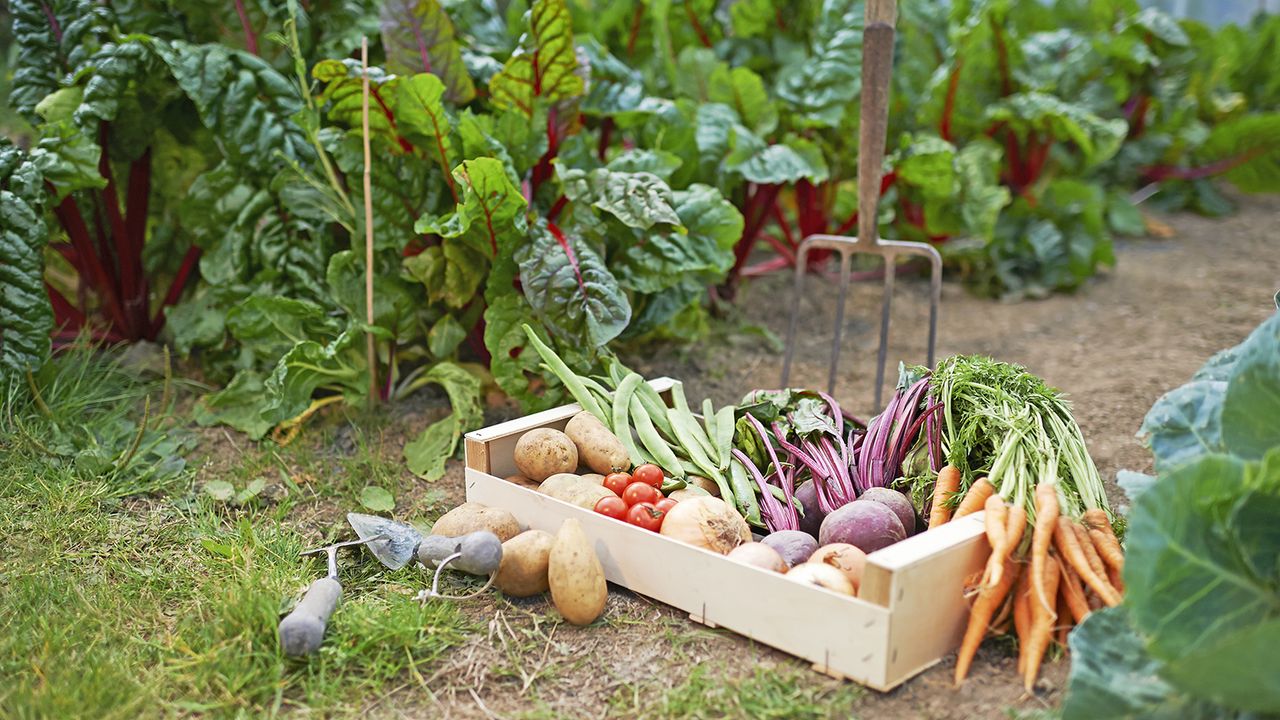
(303, 629)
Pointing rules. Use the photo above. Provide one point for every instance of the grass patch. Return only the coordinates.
(114, 605)
(763, 693)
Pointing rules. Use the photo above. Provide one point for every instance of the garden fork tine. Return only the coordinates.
(877, 67)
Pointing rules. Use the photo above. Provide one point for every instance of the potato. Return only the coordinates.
(522, 481)
(705, 484)
(596, 478)
(523, 572)
(598, 448)
(544, 452)
(575, 490)
(469, 517)
(689, 491)
(578, 587)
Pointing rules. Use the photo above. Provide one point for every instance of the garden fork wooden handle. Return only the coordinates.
(877, 69)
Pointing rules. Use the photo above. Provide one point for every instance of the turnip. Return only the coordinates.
(811, 520)
(794, 546)
(897, 502)
(864, 524)
(759, 555)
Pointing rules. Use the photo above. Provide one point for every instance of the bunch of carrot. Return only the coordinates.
(1067, 569)
(1015, 453)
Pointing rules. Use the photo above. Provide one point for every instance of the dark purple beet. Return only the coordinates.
(807, 494)
(897, 502)
(793, 545)
(864, 524)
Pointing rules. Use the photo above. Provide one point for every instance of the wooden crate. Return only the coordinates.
(909, 613)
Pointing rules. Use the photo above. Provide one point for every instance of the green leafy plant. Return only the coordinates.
(1202, 611)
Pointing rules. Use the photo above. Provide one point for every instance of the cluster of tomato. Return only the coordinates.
(639, 499)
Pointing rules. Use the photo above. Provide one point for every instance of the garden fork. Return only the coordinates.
(877, 68)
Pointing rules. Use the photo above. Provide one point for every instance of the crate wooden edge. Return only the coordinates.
(922, 626)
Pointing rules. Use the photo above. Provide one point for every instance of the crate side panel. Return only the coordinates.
(842, 634)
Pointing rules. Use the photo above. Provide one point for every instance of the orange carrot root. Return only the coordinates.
(984, 607)
(1041, 539)
(1090, 553)
(1042, 620)
(975, 498)
(1069, 545)
(1073, 594)
(1022, 616)
(947, 485)
(1104, 538)
(995, 518)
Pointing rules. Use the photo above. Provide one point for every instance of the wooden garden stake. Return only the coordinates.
(370, 350)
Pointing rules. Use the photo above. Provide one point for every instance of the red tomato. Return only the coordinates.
(649, 474)
(613, 507)
(617, 482)
(645, 515)
(665, 504)
(638, 492)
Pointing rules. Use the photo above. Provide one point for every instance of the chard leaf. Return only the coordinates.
(784, 163)
(614, 87)
(750, 18)
(512, 362)
(419, 105)
(702, 251)
(743, 90)
(821, 85)
(245, 102)
(338, 365)
(418, 37)
(239, 405)
(1250, 148)
(445, 336)
(1202, 575)
(928, 163)
(342, 96)
(272, 325)
(54, 40)
(544, 67)
(634, 160)
(426, 455)
(983, 197)
(68, 158)
(394, 302)
(377, 499)
(639, 200)
(570, 289)
(1097, 139)
(26, 317)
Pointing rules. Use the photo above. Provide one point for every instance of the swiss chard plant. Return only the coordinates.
(1202, 611)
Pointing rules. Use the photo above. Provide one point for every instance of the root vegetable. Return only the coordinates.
(575, 576)
(1042, 619)
(812, 515)
(844, 557)
(895, 501)
(598, 448)
(543, 452)
(759, 555)
(995, 517)
(1073, 594)
(947, 485)
(525, 557)
(708, 523)
(697, 482)
(864, 524)
(1069, 546)
(1041, 539)
(823, 576)
(470, 517)
(1104, 539)
(794, 546)
(989, 599)
(1022, 615)
(975, 498)
(692, 491)
(575, 489)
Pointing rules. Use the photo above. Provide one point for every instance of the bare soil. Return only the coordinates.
(1128, 336)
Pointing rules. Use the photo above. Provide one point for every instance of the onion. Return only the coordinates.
(844, 557)
(821, 575)
(706, 522)
(759, 555)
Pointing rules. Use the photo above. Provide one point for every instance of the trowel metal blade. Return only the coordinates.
(398, 542)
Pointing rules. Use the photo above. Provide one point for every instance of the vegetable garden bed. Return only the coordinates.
(909, 612)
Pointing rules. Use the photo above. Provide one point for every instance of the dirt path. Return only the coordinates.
(1114, 347)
